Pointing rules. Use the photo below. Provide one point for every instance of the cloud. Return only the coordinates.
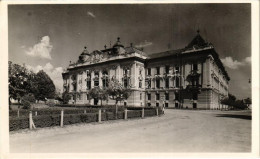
(54, 73)
(143, 44)
(234, 64)
(41, 49)
(91, 14)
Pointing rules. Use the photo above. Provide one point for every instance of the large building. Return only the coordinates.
(192, 77)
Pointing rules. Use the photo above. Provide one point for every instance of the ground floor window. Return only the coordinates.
(148, 104)
(157, 104)
(166, 105)
(125, 103)
(157, 96)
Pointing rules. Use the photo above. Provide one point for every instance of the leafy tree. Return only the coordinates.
(231, 97)
(117, 92)
(45, 86)
(18, 81)
(27, 100)
(98, 94)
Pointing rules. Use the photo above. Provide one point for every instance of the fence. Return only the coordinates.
(35, 119)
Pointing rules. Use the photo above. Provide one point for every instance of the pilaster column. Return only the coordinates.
(133, 75)
(70, 83)
(100, 80)
(84, 82)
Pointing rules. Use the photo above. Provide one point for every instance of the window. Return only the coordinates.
(177, 82)
(177, 69)
(167, 83)
(149, 71)
(195, 67)
(140, 96)
(87, 96)
(125, 103)
(157, 83)
(105, 79)
(157, 70)
(166, 105)
(140, 72)
(140, 83)
(96, 79)
(167, 69)
(148, 96)
(148, 104)
(125, 82)
(157, 104)
(148, 83)
(166, 96)
(157, 96)
(176, 96)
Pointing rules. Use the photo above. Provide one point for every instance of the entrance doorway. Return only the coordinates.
(176, 105)
(194, 105)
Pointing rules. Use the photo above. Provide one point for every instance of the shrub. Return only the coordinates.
(26, 105)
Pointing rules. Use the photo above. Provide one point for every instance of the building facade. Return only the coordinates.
(192, 77)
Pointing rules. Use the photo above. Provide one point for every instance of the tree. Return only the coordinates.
(98, 94)
(231, 97)
(117, 92)
(45, 86)
(18, 81)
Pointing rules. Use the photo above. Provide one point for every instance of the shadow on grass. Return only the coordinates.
(246, 117)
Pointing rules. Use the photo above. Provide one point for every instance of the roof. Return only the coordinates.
(165, 53)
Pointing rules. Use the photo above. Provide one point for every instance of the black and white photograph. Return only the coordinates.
(131, 78)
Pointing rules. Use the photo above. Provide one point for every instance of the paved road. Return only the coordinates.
(176, 131)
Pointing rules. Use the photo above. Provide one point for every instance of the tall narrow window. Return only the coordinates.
(88, 80)
(149, 71)
(166, 96)
(125, 83)
(96, 79)
(177, 69)
(105, 79)
(148, 96)
(140, 83)
(167, 83)
(157, 70)
(177, 82)
(140, 96)
(167, 69)
(176, 96)
(157, 96)
(195, 67)
(157, 83)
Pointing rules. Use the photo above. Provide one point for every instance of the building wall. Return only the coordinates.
(214, 85)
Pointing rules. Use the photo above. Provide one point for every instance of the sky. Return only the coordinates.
(49, 36)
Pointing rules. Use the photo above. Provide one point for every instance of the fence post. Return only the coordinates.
(157, 112)
(99, 115)
(126, 114)
(18, 113)
(142, 112)
(31, 124)
(61, 118)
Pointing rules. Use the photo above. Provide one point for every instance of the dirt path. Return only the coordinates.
(176, 131)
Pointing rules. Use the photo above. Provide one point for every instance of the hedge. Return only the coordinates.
(16, 123)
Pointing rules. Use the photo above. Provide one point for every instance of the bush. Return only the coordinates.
(51, 117)
(26, 105)
(134, 114)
